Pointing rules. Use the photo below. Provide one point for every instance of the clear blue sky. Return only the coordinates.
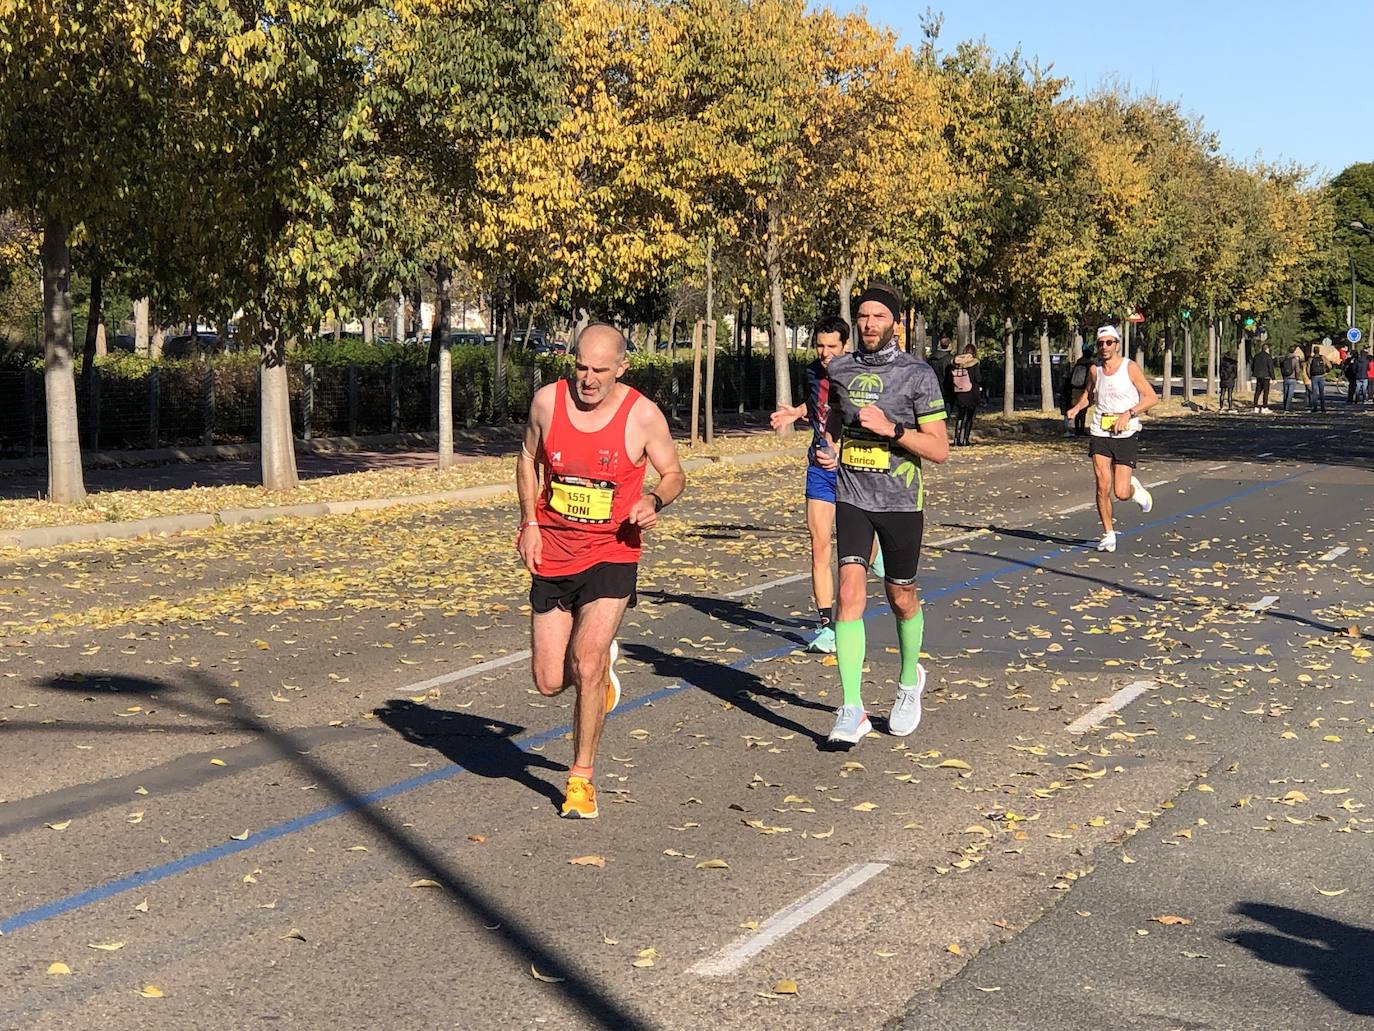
(1281, 81)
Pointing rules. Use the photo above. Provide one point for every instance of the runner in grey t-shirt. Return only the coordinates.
(887, 416)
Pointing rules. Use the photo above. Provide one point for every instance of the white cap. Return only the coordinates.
(1108, 333)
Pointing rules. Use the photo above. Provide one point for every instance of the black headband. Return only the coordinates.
(886, 298)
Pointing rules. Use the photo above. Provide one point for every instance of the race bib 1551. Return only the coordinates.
(581, 500)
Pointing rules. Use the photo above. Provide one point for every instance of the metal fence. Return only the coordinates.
(189, 404)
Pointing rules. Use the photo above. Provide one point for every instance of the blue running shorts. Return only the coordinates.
(820, 484)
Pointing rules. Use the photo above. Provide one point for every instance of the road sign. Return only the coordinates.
(1135, 316)
(1353, 335)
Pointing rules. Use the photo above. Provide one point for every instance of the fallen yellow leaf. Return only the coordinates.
(151, 991)
(59, 968)
(596, 861)
(546, 978)
(786, 986)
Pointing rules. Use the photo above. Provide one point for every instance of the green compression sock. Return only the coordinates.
(909, 633)
(850, 645)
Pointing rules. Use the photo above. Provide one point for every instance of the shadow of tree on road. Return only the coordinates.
(201, 696)
(1338, 958)
(482, 746)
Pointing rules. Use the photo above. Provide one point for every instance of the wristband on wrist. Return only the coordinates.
(658, 502)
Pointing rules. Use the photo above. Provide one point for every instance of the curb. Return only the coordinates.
(162, 526)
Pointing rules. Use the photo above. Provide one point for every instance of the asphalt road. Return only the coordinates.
(297, 775)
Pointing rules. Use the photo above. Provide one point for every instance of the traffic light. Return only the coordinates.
(1187, 314)
(1249, 323)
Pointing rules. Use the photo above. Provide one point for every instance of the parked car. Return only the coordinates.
(538, 342)
(187, 345)
(469, 338)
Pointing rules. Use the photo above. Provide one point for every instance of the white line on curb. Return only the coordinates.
(1333, 554)
(1110, 707)
(787, 920)
(1263, 603)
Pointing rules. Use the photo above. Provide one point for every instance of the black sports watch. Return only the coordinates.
(658, 502)
(898, 430)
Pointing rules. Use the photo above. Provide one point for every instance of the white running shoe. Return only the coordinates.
(851, 725)
(906, 710)
(1141, 496)
(1108, 542)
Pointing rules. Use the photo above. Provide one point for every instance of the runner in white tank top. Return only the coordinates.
(1122, 393)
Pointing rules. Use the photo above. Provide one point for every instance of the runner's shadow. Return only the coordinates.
(744, 690)
(1337, 957)
(479, 745)
(732, 612)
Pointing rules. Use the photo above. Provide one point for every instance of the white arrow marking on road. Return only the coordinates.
(1333, 554)
(787, 920)
(1110, 707)
(1263, 603)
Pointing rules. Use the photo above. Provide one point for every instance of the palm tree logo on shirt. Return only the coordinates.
(906, 471)
(865, 389)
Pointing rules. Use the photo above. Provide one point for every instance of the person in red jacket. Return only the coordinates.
(583, 513)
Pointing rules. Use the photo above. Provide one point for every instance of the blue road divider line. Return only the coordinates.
(143, 878)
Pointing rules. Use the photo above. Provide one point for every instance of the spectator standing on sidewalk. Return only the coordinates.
(1317, 368)
(1293, 369)
(1360, 374)
(1263, 367)
(1075, 383)
(966, 387)
(942, 361)
(1229, 370)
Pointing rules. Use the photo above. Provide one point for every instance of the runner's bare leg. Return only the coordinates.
(550, 633)
(596, 624)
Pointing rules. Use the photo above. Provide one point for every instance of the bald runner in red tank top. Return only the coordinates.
(589, 487)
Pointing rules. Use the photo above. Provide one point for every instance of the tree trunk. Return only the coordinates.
(278, 445)
(1187, 364)
(922, 336)
(65, 483)
(1076, 347)
(1211, 356)
(963, 332)
(777, 336)
(142, 307)
(1046, 379)
(696, 381)
(443, 357)
(156, 341)
(370, 327)
(709, 341)
(1168, 360)
(1009, 372)
(846, 292)
(504, 316)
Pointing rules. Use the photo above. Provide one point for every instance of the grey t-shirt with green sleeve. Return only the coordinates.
(875, 473)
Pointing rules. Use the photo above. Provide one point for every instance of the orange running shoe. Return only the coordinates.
(612, 681)
(579, 801)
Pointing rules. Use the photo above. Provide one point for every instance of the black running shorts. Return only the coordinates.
(899, 535)
(569, 593)
(1121, 450)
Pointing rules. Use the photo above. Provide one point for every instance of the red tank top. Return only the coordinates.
(590, 485)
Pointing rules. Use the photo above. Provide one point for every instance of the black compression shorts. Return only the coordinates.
(1121, 450)
(899, 535)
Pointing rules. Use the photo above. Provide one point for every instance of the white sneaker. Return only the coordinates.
(1141, 496)
(1108, 542)
(851, 725)
(906, 710)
